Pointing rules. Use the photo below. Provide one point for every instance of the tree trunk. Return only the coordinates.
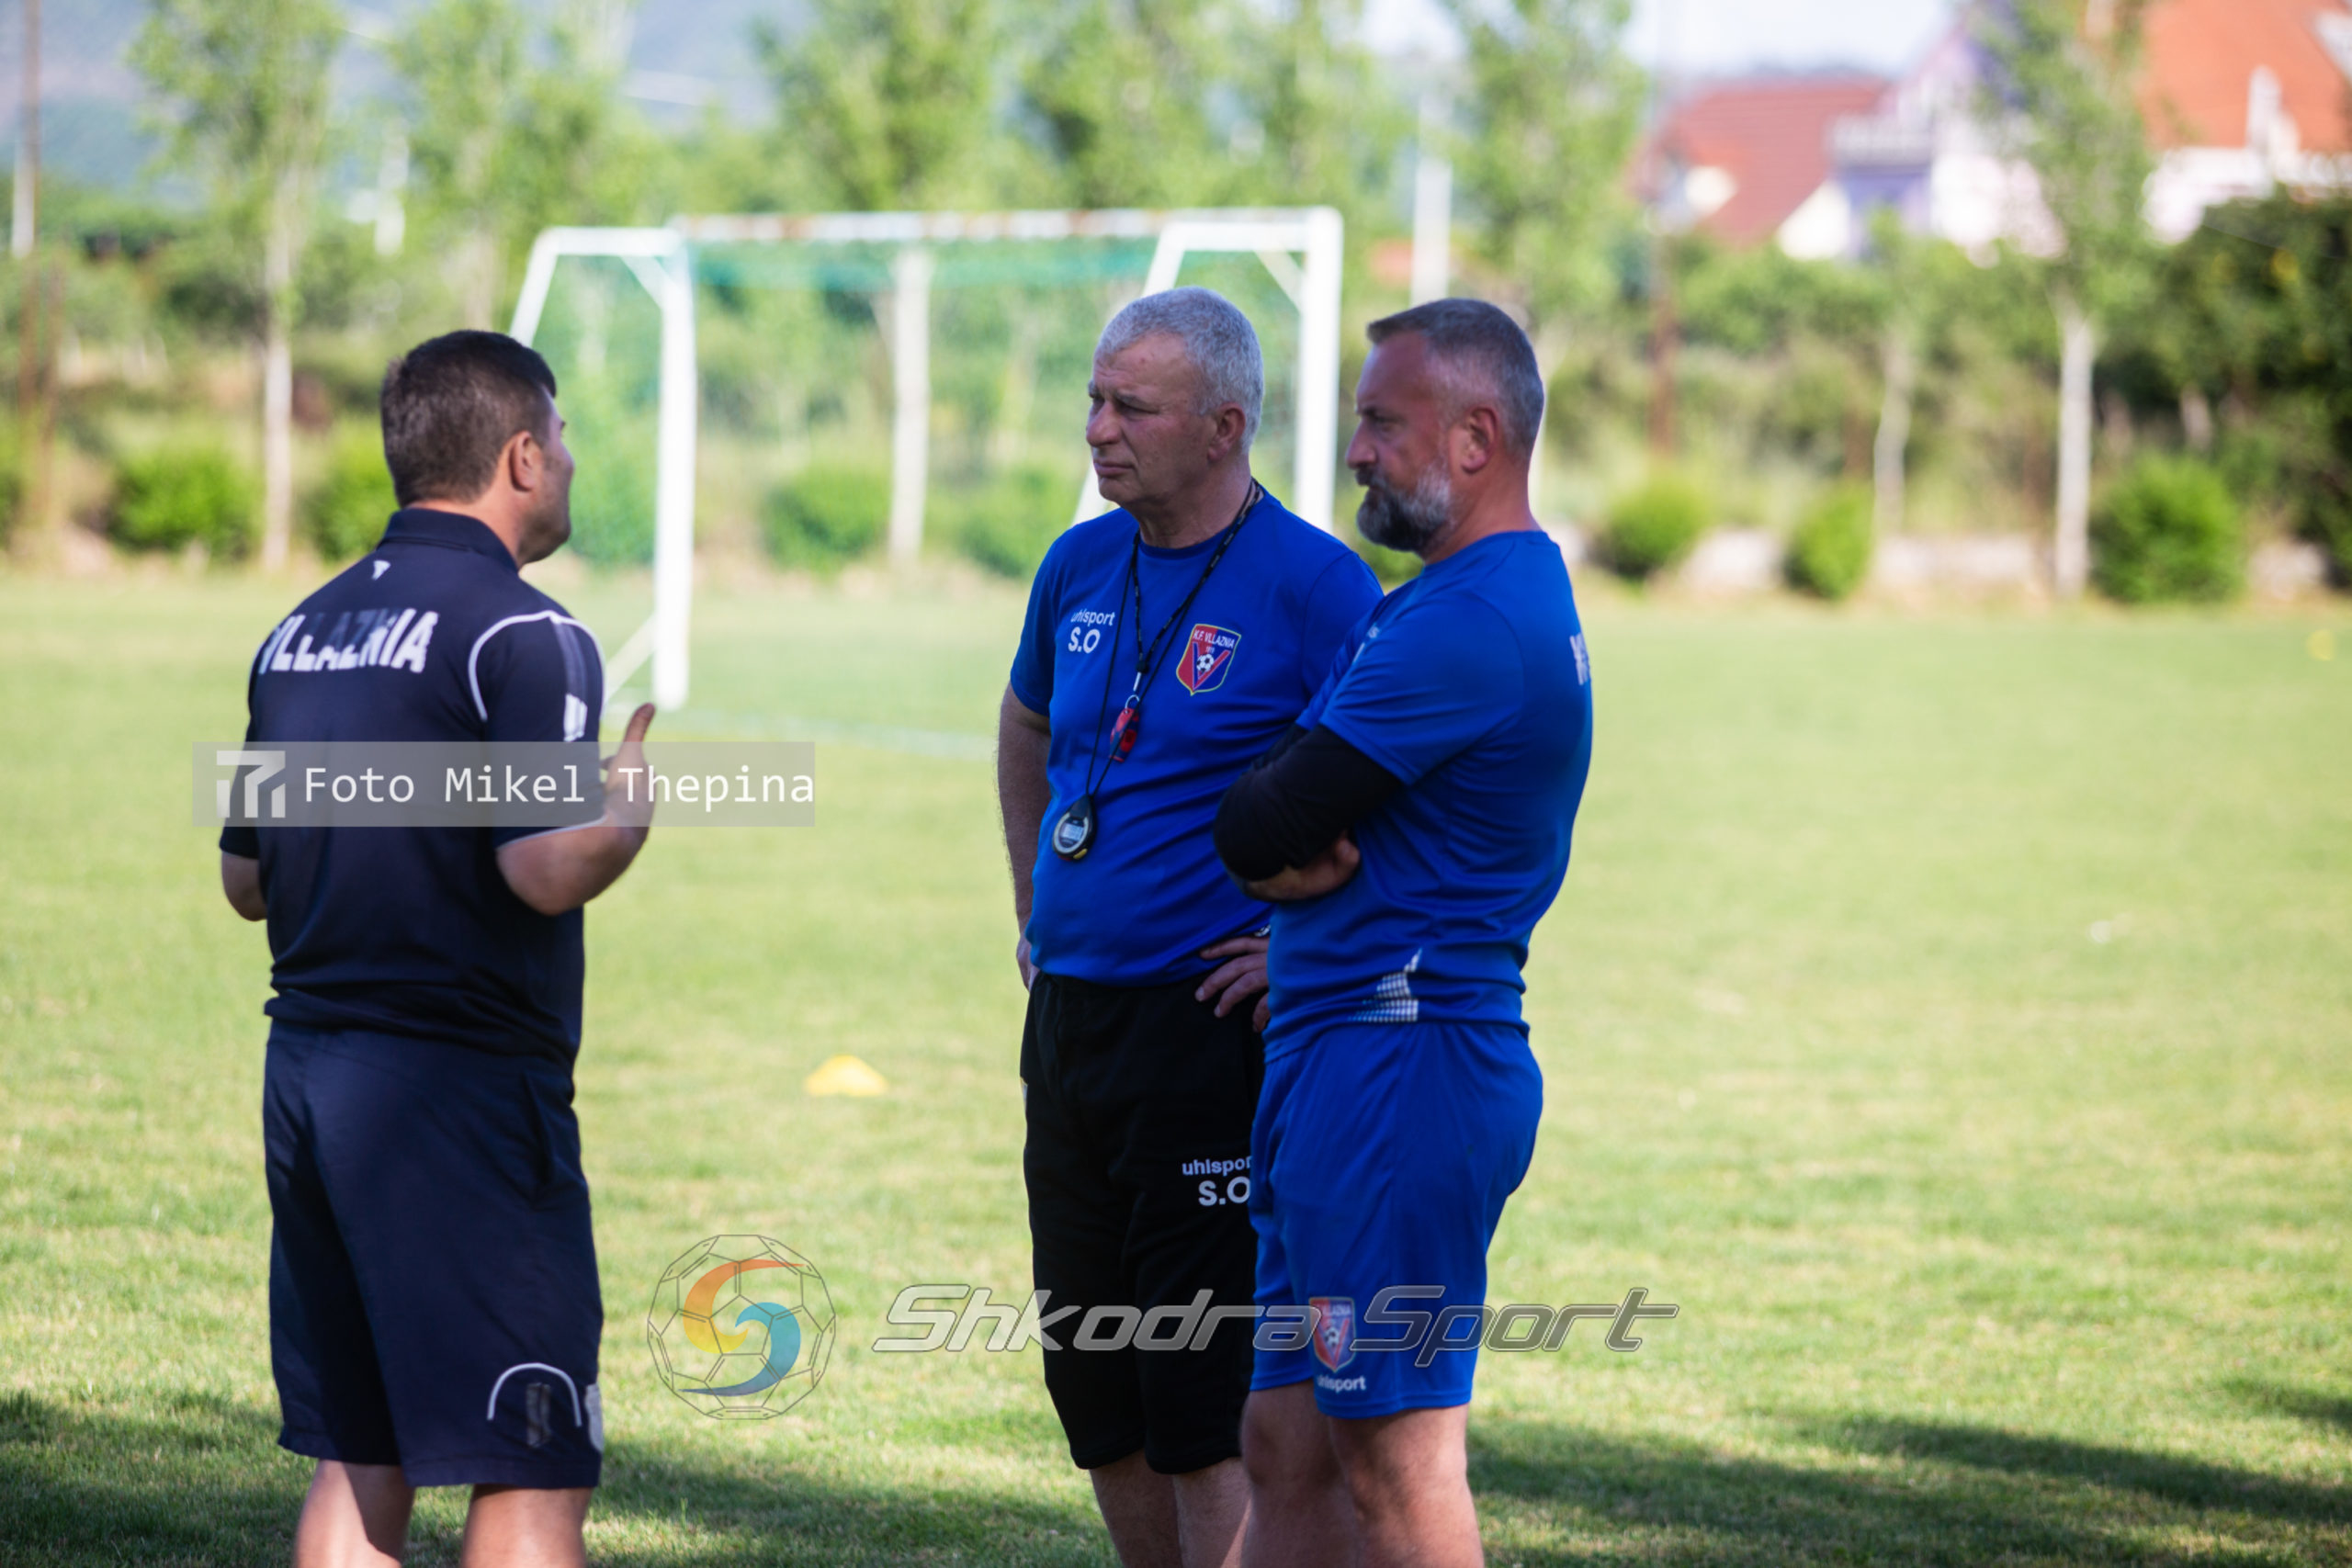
(1009, 440)
(34, 389)
(2115, 432)
(278, 386)
(2070, 556)
(1899, 373)
(1664, 332)
(478, 272)
(25, 226)
(2197, 420)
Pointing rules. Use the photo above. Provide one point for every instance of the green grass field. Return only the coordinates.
(1993, 1242)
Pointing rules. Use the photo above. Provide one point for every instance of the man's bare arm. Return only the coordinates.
(1022, 742)
(241, 883)
(558, 872)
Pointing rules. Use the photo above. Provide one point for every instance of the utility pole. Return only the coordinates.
(22, 225)
(1432, 204)
(1667, 218)
(1665, 331)
(24, 243)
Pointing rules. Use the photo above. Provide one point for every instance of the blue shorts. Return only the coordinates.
(1383, 1155)
(433, 1297)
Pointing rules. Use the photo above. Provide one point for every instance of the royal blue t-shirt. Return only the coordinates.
(1241, 663)
(1472, 685)
(431, 636)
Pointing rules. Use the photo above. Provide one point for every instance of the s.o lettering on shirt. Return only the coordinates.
(1086, 629)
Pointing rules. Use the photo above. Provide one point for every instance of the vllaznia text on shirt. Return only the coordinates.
(358, 639)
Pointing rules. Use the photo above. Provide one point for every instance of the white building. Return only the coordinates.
(2241, 97)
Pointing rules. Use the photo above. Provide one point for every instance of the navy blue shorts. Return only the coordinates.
(432, 1298)
(1383, 1155)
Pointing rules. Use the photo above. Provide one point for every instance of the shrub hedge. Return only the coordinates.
(182, 496)
(826, 516)
(2168, 529)
(1652, 527)
(1829, 554)
(1006, 525)
(347, 512)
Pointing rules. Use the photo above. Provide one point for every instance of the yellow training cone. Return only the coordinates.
(846, 1075)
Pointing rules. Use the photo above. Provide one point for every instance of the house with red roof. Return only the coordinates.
(2241, 97)
(1740, 159)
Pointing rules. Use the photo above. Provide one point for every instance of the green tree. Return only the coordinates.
(1317, 125)
(2257, 315)
(1813, 328)
(1905, 305)
(510, 134)
(247, 80)
(2061, 100)
(1553, 105)
(461, 61)
(1119, 93)
(888, 105)
(576, 151)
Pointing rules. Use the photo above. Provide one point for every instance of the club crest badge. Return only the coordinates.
(1208, 658)
(1335, 1330)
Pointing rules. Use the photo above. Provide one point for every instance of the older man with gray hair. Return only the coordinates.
(1169, 643)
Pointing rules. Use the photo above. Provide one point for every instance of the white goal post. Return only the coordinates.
(1301, 248)
(659, 259)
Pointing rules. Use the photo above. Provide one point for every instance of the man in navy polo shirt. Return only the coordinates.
(433, 1296)
(1413, 827)
(1167, 645)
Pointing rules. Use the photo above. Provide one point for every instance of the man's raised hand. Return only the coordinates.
(628, 782)
(554, 873)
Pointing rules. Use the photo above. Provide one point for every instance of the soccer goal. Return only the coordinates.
(616, 310)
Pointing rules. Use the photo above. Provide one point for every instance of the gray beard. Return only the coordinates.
(1407, 519)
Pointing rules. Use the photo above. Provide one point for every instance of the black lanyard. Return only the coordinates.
(1074, 830)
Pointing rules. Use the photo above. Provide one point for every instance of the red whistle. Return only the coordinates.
(1125, 728)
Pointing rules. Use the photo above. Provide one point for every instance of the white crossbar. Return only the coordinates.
(662, 260)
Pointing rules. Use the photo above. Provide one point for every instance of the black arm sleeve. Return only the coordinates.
(1295, 800)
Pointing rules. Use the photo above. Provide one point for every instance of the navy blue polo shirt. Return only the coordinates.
(433, 636)
(1239, 665)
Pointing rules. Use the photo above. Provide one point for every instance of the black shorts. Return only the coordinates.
(432, 1298)
(1139, 1101)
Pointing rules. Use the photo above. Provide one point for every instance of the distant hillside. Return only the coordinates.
(96, 129)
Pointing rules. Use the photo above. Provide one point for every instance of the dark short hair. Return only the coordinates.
(451, 404)
(1481, 354)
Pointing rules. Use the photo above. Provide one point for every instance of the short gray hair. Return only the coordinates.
(1479, 354)
(1217, 339)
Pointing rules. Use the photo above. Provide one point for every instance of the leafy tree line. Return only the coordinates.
(509, 119)
(1941, 385)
